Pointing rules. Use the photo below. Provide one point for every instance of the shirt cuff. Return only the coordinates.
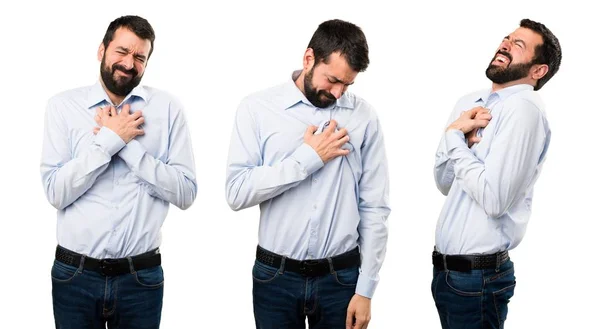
(109, 141)
(308, 159)
(366, 286)
(133, 152)
(455, 138)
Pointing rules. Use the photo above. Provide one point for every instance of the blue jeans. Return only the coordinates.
(477, 299)
(283, 300)
(86, 299)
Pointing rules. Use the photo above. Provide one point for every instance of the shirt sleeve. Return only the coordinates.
(66, 178)
(373, 209)
(443, 170)
(174, 180)
(511, 163)
(249, 181)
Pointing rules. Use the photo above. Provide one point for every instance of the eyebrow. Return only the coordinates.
(521, 42)
(140, 56)
(517, 41)
(340, 81)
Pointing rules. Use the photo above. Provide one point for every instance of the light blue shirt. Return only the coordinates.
(309, 210)
(489, 187)
(112, 197)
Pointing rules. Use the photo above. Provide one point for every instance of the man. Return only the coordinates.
(488, 175)
(323, 191)
(115, 155)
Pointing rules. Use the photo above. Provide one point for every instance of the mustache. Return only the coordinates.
(328, 95)
(505, 54)
(122, 68)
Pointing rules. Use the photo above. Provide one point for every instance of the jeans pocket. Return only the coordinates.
(263, 273)
(346, 277)
(63, 273)
(468, 284)
(150, 278)
(501, 299)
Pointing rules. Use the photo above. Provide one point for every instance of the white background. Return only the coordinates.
(424, 56)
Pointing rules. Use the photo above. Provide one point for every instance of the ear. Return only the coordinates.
(539, 71)
(101, 51)
(308, 61)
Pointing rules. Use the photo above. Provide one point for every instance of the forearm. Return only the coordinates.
(373, 232)
(249, 185)
(173, 182)
(66, 182)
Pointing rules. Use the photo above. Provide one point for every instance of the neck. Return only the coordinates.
(299, 81)
(115, 99)
(528, 81)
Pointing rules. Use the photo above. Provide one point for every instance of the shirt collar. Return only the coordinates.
(292, 95)
(98, 95)
(504, 93)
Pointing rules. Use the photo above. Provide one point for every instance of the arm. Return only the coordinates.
(66, 178)
(173, 181)
(443, 170)
(373, 209)
(510, 164)
(249, 181)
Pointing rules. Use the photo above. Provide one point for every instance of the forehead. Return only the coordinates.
(337, 66)
(530, 37)
(125, 38)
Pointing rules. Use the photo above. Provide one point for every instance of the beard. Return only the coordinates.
(121, 85)
(318, 98)
(512, 72)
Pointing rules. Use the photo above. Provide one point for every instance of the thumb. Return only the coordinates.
(349, 318)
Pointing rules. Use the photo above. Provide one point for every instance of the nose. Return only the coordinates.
(337, 90)
(127, 61)
(505, 45)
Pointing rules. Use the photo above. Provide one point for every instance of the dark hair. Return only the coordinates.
(344, 37)
(548, 52)
(135, 24)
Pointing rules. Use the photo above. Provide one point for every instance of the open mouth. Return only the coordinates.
(501, 59)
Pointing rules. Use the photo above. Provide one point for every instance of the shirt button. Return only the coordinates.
(314, 180)
(116, 182)
(314, 206)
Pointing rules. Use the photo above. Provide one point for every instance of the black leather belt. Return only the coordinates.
(312, 267)
(466, 263)
(109, 266)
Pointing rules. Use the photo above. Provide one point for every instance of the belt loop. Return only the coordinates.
(498, 261)
(81, 262)
(282, 266)
(131, 269)
(445, 264)
(331, 269)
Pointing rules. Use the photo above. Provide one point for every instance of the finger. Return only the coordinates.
(125, 110)
(97, 119)
(475, 139)
(139, 121)
(136, 114)
(139, 132)
(310, 131)
(481, 123)
(483, 116)
(360, 324)
(342, 152)
(349, 319)
(105, 111)
(340, 133)
(341, 141)
(96, 130)
(331, 128)
(113, 111)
